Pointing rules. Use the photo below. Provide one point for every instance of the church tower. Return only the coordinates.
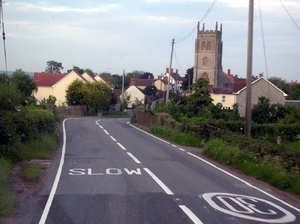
(208, 56)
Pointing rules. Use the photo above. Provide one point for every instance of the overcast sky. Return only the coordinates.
(111, 35)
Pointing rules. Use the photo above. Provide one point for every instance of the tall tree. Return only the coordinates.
(281, 84)
(25, 85)
(54, 67)
(188, 78)
(294, 93)
(200, 97)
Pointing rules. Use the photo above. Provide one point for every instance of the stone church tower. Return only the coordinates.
(208, 56)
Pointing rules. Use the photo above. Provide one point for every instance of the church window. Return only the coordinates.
(205, 61)
(208, 46)
(203, 46)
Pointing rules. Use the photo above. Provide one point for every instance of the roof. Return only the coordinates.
(263, 78)
(50, 79)
(142, 82)
(222, 90)
(47, 79)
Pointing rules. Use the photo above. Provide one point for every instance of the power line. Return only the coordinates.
(290, 15)
(3, 35)
(263, 38)
(193, 30)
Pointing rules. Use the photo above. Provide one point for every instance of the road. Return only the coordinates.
(113, 172)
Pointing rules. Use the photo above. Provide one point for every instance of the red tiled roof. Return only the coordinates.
(141, 82)
(47, 79)
(222, 90)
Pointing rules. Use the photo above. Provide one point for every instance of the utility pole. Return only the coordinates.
(249, 70)
(170, 67)
(123, 103)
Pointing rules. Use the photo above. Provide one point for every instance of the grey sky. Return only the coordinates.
(109, 36)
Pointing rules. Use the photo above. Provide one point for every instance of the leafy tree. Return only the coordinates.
(294, 92)
(200, 97)
(136, 74)
(74, 95)
(147, 75)
(260, 111)
(105, 75)
(119, 80)
(281, 84)
(81, 70)
(54, 67)
(97, 96)
(150, 90)
(188, 78)
(25, 85)
(10, 96)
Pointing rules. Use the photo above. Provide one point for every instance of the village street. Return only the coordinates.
(112, 172)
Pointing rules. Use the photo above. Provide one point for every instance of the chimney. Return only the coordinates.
(176, 70)
(171, 71)
(148, 76)
(167, 70)
(228, 71)
(261, 75)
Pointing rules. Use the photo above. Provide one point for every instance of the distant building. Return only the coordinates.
(208, 56)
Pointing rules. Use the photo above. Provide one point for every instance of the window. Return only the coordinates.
(208, 46)
(205, 61)
(203, 46)
(223, 99)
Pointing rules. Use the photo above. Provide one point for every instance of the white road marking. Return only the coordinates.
(57, 177)
(246, 207)
(159, 182)
(190, 214)
(134, 158)
(121, 146)
(113, 138)
(106, 132)
(183, 150)
(174, 145)
(245, 182)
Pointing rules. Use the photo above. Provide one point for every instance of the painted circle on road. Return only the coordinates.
(247, 207)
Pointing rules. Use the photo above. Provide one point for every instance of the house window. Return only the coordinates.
(223, 99)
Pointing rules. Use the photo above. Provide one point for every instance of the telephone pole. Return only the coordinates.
(249, 70)
(170, 67)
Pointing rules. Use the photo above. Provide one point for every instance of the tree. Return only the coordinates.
(147, 75)
(200, 97)
(74, 95)
(96, 96)
(10, 96)
(294, 92)
(280, 83)
(25, 85)
(150, 90)
(119, 80)
(188, 78)
(105, 75)
(134, 74)
(54, 67)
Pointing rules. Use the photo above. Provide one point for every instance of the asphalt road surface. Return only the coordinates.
(113, 172)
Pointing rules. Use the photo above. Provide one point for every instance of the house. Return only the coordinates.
(260, 87)
(88, 77)
(54, 84)
(141, 83)
(161, 84)
(175, 79)
(134, 95)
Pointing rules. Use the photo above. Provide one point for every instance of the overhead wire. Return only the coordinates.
(263, 38)
(193, 30)
(290, 15)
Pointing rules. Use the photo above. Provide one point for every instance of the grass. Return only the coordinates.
(117, 114)
(265, 169)
(31, 171)
(8, 199)
(293, 145)
(176, 136)
(40, 148)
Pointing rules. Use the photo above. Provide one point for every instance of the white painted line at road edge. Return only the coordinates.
(57, 177)
(134, 158)
(113, 138)
(245, 182)
(159, 182)
(190, 214)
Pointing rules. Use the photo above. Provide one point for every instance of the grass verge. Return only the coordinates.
(31, 171)
(266, 169)
(176, 136)
(117, 114)
(8, 199)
